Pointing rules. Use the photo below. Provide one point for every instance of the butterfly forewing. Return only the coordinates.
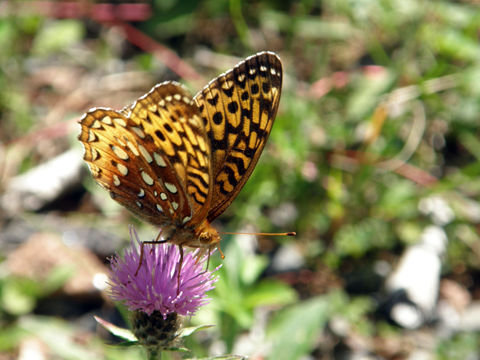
(239, 109)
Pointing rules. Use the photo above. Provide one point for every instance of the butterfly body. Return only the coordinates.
(178, 162)
(204, 236)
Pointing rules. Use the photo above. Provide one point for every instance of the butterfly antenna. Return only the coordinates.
(266, 234)
(220, 250)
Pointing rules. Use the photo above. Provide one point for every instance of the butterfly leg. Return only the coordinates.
(200, 255)
(208, 259)
(180, 264)
(208, 263)
(148, 242)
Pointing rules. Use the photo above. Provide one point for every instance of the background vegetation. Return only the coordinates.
(379, 119)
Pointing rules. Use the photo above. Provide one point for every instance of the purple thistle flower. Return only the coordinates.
(155, 286)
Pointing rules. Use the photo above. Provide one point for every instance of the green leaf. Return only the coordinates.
(190, 330)
(16, 298)
(251, 270)
(356, 239)
(366, 96)
(126, 344)
(115, 330)
(7, 34)
(270, 292)
(177, 349)
(294, 330)
(59, 336)
(10, 337)
(57, 278)
(224, 357)
(471, 143)
(453, 43)
(58, 35)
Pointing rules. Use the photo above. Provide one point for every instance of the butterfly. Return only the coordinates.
(178, 162)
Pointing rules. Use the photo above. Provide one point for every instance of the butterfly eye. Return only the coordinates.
(204, 238)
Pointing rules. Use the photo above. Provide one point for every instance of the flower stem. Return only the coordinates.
(154, 354)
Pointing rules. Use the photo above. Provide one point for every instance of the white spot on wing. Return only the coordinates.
(172, 188)
(194, 121)
(94, 154)
(145, 153)
(159, 160)
(120, 141)
(120, 122)
(96, 125)
(116, 180)
(107, 120)
(120, 153)
(139, 132)
(148, 180)
(91, 136)
(123, 169)
(132, 148)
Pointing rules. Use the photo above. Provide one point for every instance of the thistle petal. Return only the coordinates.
(154, 288)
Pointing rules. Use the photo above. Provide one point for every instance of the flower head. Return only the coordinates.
(154, 288)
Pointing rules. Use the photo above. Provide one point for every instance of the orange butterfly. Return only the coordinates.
(177, 162)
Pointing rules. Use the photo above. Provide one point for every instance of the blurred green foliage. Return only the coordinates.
(366, 83)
